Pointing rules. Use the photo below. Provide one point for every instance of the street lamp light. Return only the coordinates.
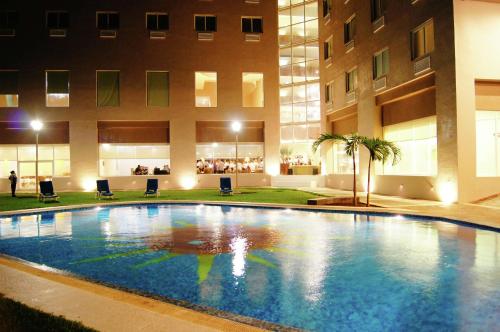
(236, 127)
(36, 125)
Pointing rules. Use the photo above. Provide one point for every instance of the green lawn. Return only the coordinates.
(255, 195)
(16, 317)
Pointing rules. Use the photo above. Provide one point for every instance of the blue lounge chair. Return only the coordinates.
(152, 188)
(103, 190)
(225, 186)
(47, 192)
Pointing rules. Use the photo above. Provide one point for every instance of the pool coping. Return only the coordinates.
(241, 323)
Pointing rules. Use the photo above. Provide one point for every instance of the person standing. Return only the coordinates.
(13, 183)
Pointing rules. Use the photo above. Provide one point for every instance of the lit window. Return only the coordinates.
(417, 140)
(343, 163)
(158, 88)
(349, 30)
(57, 88)
(108, 21)
(251, 25)
(220, 158)
(377, 8)
(422, 40)
(205, 23)
(329, 93)
(57, 20)
(206, 89)
(351, 81)
(9, 93)
(328, 48)
(488, 143)
(157, 22)
(253, 89)
(381, 64)
(108, 88)
(124, 159)
(8, 23)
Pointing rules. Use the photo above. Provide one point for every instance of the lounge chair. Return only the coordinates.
(152, 188)
(47, 192)
(225, 186)
(103, 190)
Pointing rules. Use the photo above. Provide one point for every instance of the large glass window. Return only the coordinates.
(57, 88)
(206, 89)
(108, 88)
(422, 40)
(488, 143)
(9, 95)
(342, 163)
(220, 158)
(134, 159)
(417, 140)
(253, 89)
(158, 88)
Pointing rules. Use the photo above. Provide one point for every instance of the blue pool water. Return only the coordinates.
(317, 271)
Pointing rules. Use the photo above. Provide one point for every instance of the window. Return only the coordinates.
(206, 89)
(251, 25)
(220, 158)
(378, 8)
(157, 21)
(342, 163)
(488, 143)
(329, 93)
(108, 88)
(327, 7)
(417, 140)
(349, 30)
(253, 89)
(9, 95)
(57, 20)
(205, 23)
(57, 88)
(422, 40)
(123, 159)
(380, 64)
(108, 21)
(351, 81)
(8, 23)
(158, 88)
(328, 48)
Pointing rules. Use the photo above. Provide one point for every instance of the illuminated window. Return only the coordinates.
(205, 23)
(251, 25)
(343, 163)
(349, 29)
(422, 40)
(417, 140)
(351, 80)
(108, 88)
(108, 21)
(157, 21)
(206, 89)
(220, 158)
(124, 159)
(57, 88)
(253, 89)
(157, 88)
(381, 64)
(9, 95)
(488, 143)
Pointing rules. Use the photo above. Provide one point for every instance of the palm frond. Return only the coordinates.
(327, 138)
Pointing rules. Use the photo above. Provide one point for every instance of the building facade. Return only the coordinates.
(141, 87)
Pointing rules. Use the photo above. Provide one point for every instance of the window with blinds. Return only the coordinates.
(108, 88)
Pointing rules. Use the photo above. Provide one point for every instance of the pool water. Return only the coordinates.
(319, 271)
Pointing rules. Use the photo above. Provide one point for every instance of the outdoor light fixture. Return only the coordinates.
(236, 127)
(36, 125)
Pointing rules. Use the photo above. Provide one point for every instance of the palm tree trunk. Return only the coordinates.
(354, 189)
(368, 186)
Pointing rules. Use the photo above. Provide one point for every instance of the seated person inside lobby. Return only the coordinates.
(141, 170)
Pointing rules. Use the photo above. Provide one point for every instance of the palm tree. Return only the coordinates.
(380, 150)
(352, 143)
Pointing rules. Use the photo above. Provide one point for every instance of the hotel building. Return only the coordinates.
(158, 84)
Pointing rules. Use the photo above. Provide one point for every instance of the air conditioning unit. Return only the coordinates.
(380, 84)
(252, 1)
(255, 37)
(205, 36)
(350, 97)
(378, 24)
(157, 34)
(57, 32)
(349, 46)
(7, 32)
(422, 65)
(107, 33)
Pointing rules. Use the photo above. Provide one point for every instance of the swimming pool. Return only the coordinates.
(313, 270)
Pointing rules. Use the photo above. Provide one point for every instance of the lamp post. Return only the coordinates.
(36, 125)
(236, 127)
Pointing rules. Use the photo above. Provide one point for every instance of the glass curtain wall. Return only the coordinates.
(299, 81)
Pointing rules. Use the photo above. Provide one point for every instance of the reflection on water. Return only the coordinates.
(312, 270)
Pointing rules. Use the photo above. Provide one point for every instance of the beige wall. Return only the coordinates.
(477, 35)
